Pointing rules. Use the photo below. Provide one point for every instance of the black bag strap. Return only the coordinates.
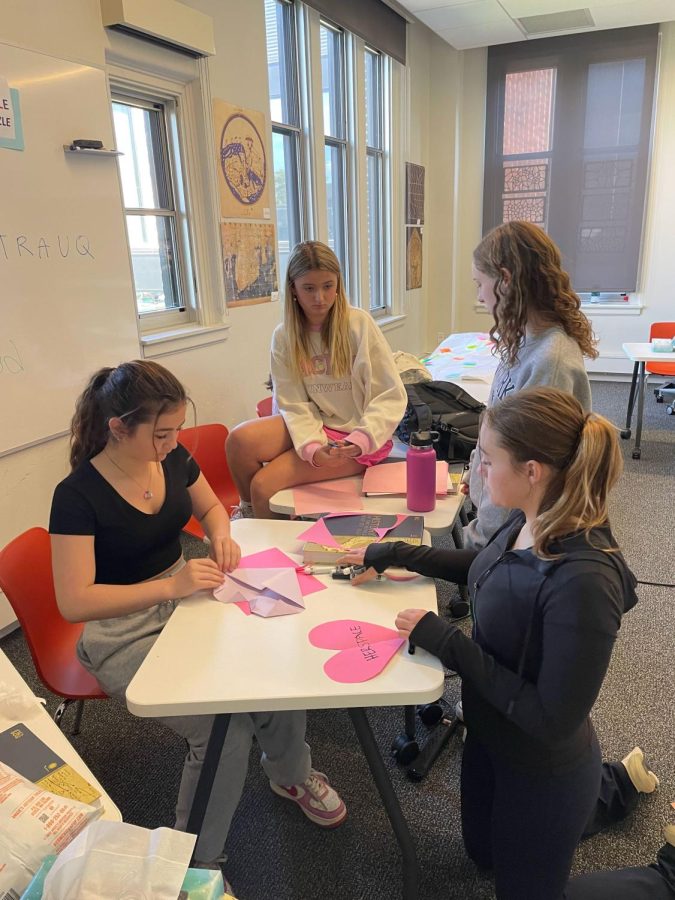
(422, 410)
(462, 397)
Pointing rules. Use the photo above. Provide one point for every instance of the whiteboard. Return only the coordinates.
(66, 300)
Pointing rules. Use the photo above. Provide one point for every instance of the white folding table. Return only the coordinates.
(640, 354)
(212, 659)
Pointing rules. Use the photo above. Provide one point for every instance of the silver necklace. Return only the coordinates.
(147, 493)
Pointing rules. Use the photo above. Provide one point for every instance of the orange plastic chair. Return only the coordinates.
(661, 330)
(207, 444)
(26, 580)
(264, 407)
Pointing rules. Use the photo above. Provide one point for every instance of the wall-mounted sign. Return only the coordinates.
(11, 132)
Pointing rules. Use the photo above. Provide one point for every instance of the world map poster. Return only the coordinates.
(249, 262)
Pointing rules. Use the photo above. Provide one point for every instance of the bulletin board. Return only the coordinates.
(66, 300)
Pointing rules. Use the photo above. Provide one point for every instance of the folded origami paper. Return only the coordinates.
(273, 590)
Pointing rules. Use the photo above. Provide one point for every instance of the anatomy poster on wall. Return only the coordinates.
(413, 258)
(242, 169)
(249, 263)
(414, 194)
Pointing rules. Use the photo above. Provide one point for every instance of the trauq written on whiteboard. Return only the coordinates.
(54, 246)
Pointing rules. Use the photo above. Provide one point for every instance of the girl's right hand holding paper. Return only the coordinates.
(196, 575)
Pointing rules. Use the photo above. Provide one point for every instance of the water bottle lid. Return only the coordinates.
(423, 438)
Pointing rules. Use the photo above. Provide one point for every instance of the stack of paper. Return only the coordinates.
(390, 478)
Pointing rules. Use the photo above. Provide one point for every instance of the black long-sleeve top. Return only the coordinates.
(542, 637)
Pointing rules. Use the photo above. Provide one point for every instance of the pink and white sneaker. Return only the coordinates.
(316, 798)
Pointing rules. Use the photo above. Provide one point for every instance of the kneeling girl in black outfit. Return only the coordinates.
(548, 594)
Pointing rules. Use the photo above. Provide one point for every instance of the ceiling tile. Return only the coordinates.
(417, 6)
(620, 15)
(480, 12)
(518, 8)
(482, 35)
(478, 23)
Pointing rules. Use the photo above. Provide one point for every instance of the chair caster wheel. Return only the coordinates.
(659, 398)
(430, 714)
(637, 454)
(625, 434)
(670, 410)
(459, 608)
(404, 749)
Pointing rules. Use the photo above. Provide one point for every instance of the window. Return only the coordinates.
(335, 138)
(161, 112)
(567, 147)
(282, 67)
(148, 190)
(526, 145)
(375, 178)
(331, 100)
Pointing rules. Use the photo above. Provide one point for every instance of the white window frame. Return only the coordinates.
(294, 130)
(343, 144)
(382, 152)
(140, 69)
(312, 152)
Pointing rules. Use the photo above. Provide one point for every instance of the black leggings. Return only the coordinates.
(655, 882)
(525, 825)
(616, 800)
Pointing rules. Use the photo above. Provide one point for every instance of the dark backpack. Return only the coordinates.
(444, 407)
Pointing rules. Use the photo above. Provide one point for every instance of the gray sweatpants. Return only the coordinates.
(113, 650)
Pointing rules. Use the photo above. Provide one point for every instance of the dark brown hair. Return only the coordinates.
(551, 427)
(538, 288)
(136, 392)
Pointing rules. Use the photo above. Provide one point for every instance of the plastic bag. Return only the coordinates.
(33, 824)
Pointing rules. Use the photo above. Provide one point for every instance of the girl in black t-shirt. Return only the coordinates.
(118, 567)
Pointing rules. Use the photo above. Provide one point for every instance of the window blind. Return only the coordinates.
(567, 146)
(381, 27)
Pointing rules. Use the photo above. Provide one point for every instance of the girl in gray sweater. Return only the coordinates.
(540, 334)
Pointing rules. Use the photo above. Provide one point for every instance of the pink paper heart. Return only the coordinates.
(363, 662)
(342, 634)
(365, 648)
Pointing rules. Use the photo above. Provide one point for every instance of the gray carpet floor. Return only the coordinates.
(276, 853)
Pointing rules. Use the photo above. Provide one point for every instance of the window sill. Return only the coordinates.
(388, 323)
(591, 309)
(611, 309)
(188, 337)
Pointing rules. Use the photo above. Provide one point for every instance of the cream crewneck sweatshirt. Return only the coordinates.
(367, 404)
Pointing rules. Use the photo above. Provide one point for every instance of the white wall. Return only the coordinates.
(658, 260)
(226, 379)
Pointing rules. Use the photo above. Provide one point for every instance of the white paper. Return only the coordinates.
(112, 860)
(7, 126)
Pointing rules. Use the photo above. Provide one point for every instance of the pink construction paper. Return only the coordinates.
(341, 634)
(275, 558)
(339, 495)
(267, 566)
(318, 533)
(283, 582)
(390, 478)
(362, 663)
(380, 532)
(364, 648)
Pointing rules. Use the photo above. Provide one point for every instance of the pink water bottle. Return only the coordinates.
(420, 464)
